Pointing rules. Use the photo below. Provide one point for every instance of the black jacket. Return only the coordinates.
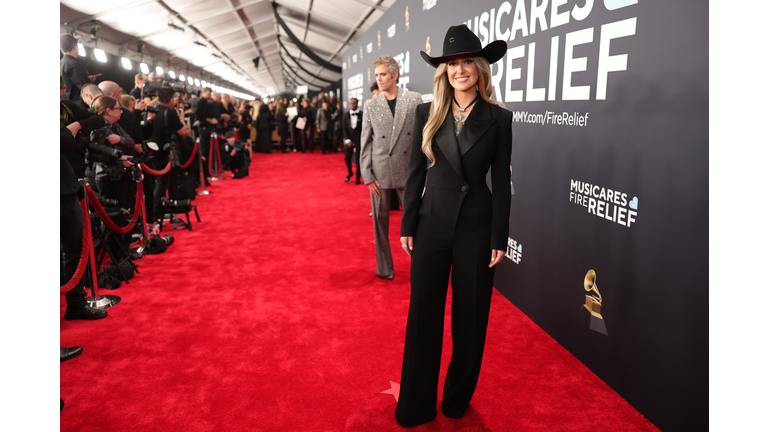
(74, 76)
(349, 133)
(70, 112)
(105, 168)
(68, 144)
(456, 183)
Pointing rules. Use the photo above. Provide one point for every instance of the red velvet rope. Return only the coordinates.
(84, 252)
(157, 173)
(105, 217)
(194, 152)
(168, 167)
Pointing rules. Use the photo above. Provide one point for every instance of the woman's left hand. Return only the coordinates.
(125, 161)
(496, 256)
(114, 139)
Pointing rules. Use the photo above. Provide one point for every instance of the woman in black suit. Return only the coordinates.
(456, 226)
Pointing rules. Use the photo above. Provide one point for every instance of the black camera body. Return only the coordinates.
(95, 152)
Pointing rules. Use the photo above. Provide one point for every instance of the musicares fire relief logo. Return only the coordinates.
(593, 304)
(605, 203)
(514, 250)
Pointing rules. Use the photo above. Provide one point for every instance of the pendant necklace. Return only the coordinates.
(459, 120)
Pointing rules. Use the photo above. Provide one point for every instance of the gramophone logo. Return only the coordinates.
(428, 49)
(369, 74)
(361, 53)
(407, 19)
(378, 39)
(594, 304)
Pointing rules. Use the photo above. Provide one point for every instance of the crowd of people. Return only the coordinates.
(121, 144)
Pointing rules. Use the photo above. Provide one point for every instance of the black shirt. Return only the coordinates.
(136, 93)
(131, 125)
(392, 104)
(160, 135)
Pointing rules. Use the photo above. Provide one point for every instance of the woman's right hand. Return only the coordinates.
(407, 244)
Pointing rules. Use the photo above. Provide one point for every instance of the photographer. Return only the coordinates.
(89, 93)
(110, 173)
(71, 70)
(238, 157)
(71, 121)
(167, 126)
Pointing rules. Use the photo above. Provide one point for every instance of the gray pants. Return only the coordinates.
(381, 204)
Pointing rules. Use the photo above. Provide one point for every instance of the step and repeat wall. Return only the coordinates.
(608, 242)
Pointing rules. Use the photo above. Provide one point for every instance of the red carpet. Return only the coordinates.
(268, 317)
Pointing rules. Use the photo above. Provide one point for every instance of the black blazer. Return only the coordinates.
(456, 183)
(346, 127)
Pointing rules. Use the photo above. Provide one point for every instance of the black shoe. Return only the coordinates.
(348, 177)
(69, 353)
(85, 313)
(323, 151)
(357, 181)
(390, 277)
(62, 405)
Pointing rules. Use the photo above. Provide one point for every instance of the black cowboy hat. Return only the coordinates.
(459, 40)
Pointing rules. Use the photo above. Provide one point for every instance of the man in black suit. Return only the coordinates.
(71, 70)
(352, 127)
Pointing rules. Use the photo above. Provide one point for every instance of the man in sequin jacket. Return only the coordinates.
(385, 145)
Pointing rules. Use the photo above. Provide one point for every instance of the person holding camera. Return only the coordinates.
(167, 126)
(238, 157)
(71, 70)
(112, 176)
(73, 122)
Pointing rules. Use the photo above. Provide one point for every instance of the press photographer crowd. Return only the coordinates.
(133, 156)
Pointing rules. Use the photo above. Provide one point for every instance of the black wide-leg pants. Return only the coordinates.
(438, 254)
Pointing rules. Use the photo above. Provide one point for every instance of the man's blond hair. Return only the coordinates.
(392, 65)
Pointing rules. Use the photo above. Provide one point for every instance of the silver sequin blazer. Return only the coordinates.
(385, 143)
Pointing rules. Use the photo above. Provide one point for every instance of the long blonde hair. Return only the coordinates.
(443, 97)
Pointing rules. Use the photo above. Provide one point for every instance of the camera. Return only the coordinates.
(104, 150)
(166, 239)
(150, 88)
(177, 206)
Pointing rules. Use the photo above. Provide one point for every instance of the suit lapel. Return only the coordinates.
(446, 139)
(399, 120)
(477, 123)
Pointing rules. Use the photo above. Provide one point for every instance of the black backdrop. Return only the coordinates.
(610, 173)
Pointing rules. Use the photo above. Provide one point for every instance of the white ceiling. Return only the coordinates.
(237, 31)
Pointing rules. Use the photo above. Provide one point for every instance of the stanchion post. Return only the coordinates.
(95, 300)
(215, 155)
(202, 190)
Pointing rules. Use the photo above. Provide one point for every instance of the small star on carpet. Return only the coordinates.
(394, 390)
